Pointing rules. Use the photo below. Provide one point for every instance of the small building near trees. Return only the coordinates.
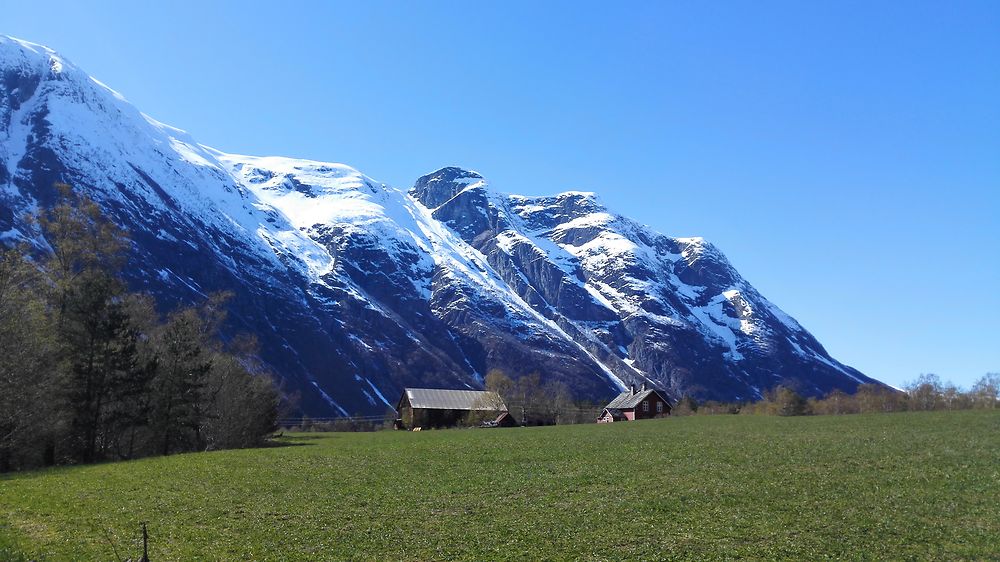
(633, 405)
(432, 407)
(503, 420)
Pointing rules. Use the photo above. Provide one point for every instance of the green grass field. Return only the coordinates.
(896, 486)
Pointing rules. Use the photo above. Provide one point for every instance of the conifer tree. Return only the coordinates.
(176, 412)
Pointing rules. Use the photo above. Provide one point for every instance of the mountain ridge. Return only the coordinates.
(357, 289)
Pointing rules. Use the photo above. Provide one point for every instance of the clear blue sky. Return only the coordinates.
(846, 156)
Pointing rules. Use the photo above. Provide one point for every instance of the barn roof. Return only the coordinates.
(439, 399)
(627, 399)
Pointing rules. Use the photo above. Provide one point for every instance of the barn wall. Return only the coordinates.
(433, 417)
(406, 413)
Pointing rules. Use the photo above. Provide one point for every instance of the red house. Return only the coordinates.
(631, 405)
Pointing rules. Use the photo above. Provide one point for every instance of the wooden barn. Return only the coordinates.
(432, 407)
(631, 405)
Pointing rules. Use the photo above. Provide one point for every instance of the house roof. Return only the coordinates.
(615, 414)
(627, 400)
(440, 399)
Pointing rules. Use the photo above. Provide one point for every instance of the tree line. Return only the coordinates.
(91, 372)
(532, 402)
(928, 393)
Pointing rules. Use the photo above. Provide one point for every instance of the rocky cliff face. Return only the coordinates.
(356, 289)
(672, 311)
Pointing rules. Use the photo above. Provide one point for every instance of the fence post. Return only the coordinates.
(145, 544)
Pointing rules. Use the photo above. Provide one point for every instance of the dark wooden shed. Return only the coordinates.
(432, 407)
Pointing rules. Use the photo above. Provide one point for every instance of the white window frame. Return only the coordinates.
(645, 405)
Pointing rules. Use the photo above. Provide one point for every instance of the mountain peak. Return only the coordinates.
(20, 54)
(10, 44)
(452, 172)
(24, 65)
(436, 188)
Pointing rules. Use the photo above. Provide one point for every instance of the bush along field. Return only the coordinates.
(920, 485)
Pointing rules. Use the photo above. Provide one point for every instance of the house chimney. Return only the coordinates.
(643, 389)
(631, 390)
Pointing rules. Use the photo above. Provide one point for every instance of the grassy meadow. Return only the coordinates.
(893, 486)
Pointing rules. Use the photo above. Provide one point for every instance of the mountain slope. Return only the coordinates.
(670, 309)
(356, 289)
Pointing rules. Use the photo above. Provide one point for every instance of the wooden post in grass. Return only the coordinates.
(145, 544)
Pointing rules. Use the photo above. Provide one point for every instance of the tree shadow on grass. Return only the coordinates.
(296, 440)
(277, 444)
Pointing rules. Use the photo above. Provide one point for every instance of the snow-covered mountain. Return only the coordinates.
(356, 289)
